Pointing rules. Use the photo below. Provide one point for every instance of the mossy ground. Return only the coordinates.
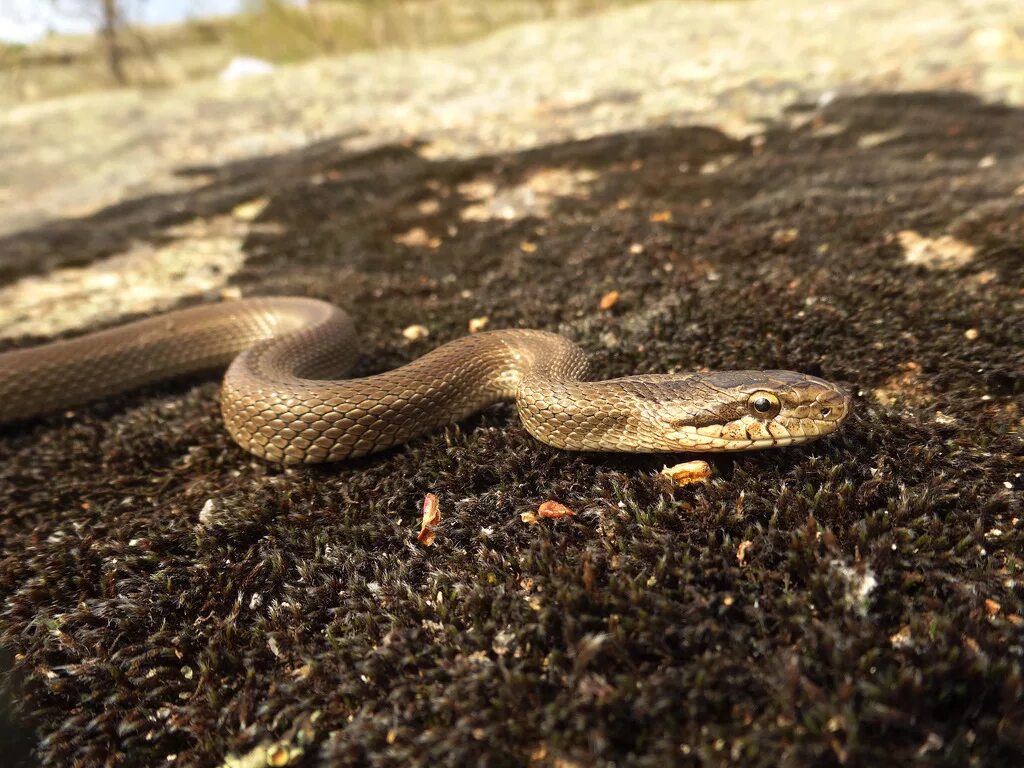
(875, 617)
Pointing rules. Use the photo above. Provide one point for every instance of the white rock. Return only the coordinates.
(241, 67)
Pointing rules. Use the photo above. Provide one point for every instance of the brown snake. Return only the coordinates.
(280, 403)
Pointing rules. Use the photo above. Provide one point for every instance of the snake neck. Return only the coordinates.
(613, 415)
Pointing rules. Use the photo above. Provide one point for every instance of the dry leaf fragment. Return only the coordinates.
(742, 549)
(554, 511)
(477, 324)
(416, 332)
(902, 638)
(431, 518)
(250, 209)
(785, 236)
(945, 252)
(206, 514)
(278, 755)
(986, 276)
(992, 607)
(871, 140)
(661, 216)
(609, 300)
(527, 247)
(417, 237)
(688, 472)
(529, 518)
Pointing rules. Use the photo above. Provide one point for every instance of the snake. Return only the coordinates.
(285, 398)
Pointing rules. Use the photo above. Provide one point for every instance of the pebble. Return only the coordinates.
(415, 332)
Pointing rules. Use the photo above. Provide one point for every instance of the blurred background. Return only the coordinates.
(55, 47)
(106, 100)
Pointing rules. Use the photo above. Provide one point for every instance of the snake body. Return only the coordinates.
(281, 399)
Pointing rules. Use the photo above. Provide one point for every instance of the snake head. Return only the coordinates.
(748, 410)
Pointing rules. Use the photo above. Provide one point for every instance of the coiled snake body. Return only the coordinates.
(280, 402)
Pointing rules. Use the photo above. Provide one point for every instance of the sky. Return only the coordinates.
(23, 21)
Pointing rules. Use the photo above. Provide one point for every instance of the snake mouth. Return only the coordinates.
(748, 434)
(691, 440)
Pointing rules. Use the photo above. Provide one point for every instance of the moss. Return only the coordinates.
(873, 619)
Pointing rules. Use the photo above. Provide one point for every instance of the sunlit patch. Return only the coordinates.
(908, 385)
(202, 256)
(940, 253)
(533, 197)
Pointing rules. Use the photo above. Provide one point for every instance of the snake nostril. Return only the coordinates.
(825, 411)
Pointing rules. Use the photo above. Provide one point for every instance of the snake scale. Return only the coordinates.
(281, 399)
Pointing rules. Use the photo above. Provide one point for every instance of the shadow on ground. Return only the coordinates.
(854, 602)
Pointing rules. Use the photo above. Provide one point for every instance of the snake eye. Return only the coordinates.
(764, 405)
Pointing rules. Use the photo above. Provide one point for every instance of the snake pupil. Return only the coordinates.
(762, 405)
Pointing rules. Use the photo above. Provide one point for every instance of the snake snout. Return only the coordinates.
(832, 406)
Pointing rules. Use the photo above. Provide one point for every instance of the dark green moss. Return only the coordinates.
(874, 618)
